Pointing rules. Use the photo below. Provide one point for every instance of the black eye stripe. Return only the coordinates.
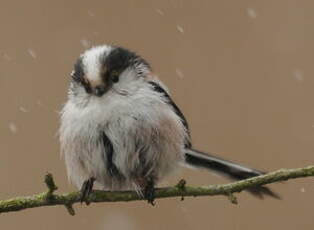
(119, 59)
(116, 62)
(78, 72)
(76, 77)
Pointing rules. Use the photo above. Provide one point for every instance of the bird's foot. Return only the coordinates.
(86, 190)
(149, 192)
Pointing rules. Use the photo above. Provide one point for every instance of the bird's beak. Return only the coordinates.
(100, 90)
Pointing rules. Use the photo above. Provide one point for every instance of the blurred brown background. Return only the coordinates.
(242, 71)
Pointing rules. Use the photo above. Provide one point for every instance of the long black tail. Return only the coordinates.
(229, 169)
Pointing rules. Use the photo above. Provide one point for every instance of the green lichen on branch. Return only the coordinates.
(181, 190)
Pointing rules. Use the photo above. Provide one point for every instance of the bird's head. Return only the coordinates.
(104, 69)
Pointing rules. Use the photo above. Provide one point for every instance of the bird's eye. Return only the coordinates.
(114, 76)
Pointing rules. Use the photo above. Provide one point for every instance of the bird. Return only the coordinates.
(120, 128)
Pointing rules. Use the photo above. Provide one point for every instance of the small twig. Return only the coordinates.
(180, 190)
(233, 199)
(70, 209)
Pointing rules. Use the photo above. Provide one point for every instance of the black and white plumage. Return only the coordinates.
(121, 129)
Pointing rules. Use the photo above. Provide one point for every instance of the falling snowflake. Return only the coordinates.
(13, 127)
(23, 109)
(85, 43)
(180, 29)
(160, 12)
(179, 73)
(298, 75)
(32, 53)
(251, 13)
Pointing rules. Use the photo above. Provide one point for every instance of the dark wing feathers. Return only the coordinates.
(159, 89)
(210, 162)
(109, 154)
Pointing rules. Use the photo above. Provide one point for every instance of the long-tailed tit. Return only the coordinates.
(121, 129)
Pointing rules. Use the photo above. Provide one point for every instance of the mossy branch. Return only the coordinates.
(181, 190)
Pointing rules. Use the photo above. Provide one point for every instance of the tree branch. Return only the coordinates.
(180, 190)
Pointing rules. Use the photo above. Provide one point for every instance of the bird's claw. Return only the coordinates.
(86, 190)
